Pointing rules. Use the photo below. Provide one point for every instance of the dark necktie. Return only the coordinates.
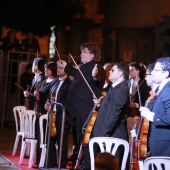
(55, 89)
(157, 89)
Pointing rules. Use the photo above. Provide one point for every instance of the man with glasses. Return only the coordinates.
(159, 112)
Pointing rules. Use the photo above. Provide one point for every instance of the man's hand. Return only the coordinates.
(133, 105)
(61, 63)
(47, 106)
(95, 72)
(97, 102)
(26, 93)
(146, 113)
(133, 133)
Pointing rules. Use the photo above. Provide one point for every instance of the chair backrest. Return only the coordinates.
(42, 130)
(110, 145)
(29, 117)
(161, 163)
(18, 117)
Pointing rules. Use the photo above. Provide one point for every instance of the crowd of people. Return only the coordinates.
(128, 88)
(28, 44)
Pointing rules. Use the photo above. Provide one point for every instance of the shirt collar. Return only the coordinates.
(115, 84)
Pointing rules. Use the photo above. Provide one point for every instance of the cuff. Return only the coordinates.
(150, 116)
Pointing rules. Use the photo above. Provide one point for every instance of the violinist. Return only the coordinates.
(80, 98)
(51, 76)
(26, 80)
(59, 91)
(38, 70)
(137, 74)
(151, 84)
(112, 114)
(134, 152)
(159, 112)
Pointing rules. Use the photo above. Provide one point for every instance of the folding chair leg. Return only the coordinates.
(15, 145)
(43, 156)
(32, 153)
(23, 147)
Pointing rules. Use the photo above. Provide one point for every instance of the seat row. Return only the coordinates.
(25, 127)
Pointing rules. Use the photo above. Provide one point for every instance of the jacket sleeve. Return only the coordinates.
(113, 113)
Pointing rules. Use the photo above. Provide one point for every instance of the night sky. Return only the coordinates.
(38, 15)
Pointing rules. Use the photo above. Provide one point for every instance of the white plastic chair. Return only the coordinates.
(43, 142)
(19, 125)
(29, 117)
(106, 145)
(158, 161)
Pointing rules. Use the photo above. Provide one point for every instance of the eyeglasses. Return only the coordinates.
(147, 74)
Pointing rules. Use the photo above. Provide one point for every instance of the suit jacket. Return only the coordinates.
(144, 94)
(32, 98)
(159, 134)
(61, 98)
(80, 98)
(112, 115)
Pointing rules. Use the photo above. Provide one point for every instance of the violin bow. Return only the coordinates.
(94, 96)
(57, 51)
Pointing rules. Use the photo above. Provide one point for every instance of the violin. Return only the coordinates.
(143, 128)
(53, 130)
(91, 122)
(27, 99)
(133, 147)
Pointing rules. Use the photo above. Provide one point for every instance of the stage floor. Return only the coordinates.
(7, 138)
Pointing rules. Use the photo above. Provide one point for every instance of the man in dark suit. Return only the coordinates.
(159, 113)
(137, 74)
(59, 91)
(112, 115)
(38, 70)
(80, 97)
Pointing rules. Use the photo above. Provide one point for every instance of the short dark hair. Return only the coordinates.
(40, 63)
(122, 66)
(53, 67)
(150, 67)
(140, 67)
(165, 63)
(93, 49)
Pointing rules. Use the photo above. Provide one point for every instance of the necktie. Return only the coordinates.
(53, 96)
(156, 90)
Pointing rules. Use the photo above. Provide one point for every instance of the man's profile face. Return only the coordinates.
(134, 73)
